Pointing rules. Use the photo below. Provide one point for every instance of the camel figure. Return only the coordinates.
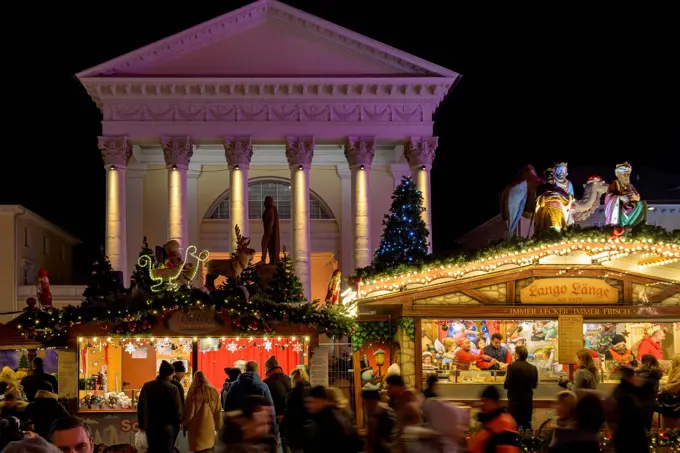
(552, 207)
(233, 266)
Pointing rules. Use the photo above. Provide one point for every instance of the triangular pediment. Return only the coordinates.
(267, 39)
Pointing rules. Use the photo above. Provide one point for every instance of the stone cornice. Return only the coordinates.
(255, 14)
(268, 89)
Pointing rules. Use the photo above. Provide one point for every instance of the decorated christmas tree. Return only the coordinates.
(23, 361)
(140, 279)
(404, 239)
(104, 282)
(285, 287)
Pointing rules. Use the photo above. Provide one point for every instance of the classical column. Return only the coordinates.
(346, 224)
(299, 152)
(420, 153)
(135, 213)
(359, 152)
(194, 223)
(177, 152)
(116, 152)
(238, 151)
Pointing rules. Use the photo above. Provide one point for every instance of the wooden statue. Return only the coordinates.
(233, 266)
(271, 242)
(334, 288)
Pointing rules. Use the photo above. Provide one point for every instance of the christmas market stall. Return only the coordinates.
(117, 338)
(613, 291)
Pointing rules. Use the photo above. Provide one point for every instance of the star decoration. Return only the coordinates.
(267, 345)
(232, 347)
(130, 348)
(297, 347)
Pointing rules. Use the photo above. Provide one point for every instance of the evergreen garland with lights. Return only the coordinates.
(648, 233)
(285, 287)
(404, 239)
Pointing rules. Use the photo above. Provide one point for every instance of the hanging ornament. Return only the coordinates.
(267, 345)
(232, 347)
(297, 347)
(130, 348)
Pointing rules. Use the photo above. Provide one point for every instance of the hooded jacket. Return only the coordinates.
(43, 411)
(279, 386)
(649, 346)
(247, 384)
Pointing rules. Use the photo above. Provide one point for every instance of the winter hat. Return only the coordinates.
(618, 338)
(271, 363)
(491, 393)
(31, 445)
(165, 369)
(179, 367)
(233, 373)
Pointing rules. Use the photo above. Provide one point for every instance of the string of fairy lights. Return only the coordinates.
(600, 250)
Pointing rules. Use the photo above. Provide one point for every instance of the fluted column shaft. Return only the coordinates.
(238, 151)
(300, 152)
(116, 153)
(177, 152)
(359, 152)
(420, 153)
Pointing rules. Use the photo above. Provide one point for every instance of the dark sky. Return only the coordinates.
(593, 87)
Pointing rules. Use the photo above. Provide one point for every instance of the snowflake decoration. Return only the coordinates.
(297, 347)
(232, 347)
(187, 346)
(130, 348)
(267, 345)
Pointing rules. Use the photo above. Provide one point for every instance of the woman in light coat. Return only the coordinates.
(202, 414)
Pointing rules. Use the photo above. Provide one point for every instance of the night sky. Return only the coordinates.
(594, 88)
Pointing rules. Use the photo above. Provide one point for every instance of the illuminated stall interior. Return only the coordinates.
(442, 338)
(113, 370)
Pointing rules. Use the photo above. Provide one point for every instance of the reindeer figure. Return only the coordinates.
(233, 266)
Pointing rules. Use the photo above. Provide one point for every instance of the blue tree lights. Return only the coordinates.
(404, 239)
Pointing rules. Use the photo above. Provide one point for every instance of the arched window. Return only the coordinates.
(280, 192)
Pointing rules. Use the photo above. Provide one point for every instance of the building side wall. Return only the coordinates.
(41, 248)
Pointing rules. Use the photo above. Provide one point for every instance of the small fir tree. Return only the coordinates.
(404, 239)
(23, 361)
(140, 279)
(104, 282)
(285, 287)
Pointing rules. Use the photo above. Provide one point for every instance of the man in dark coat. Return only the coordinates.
(247, 384)
(332, 432)
(159, 411)
(520, 382)
(180, 371)
(271, 242)
(279, 385)
(32, 382)
(629, 429)
(232, 375)
(44, 410)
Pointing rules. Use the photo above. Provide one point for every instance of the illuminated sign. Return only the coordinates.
(569, 291)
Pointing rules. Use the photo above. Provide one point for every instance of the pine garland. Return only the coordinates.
(651, 234)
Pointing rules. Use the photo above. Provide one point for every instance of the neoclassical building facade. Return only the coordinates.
(263, 101)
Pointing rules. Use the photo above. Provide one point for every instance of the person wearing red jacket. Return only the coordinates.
(652, 345)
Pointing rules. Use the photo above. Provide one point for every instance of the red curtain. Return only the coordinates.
(213, 362)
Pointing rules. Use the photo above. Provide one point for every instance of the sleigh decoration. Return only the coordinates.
(171, 268)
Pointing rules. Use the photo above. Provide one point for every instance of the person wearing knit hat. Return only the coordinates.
(497, 424)
(180, 371)
(160, 410)
(619, 352)
(279, 386)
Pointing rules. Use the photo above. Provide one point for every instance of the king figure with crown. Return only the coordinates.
(623, 206)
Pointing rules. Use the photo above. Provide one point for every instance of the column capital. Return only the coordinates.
(116, 151)
(359, 151)
(420, 151)
(238, 151)
(300, 151)
(177, 151)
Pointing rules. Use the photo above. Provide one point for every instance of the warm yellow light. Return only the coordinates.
(306, 338)
(94, 339)
(108, 339)
(80, 340)
(195, 339)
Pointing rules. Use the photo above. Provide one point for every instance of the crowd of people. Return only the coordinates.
(282, 413)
